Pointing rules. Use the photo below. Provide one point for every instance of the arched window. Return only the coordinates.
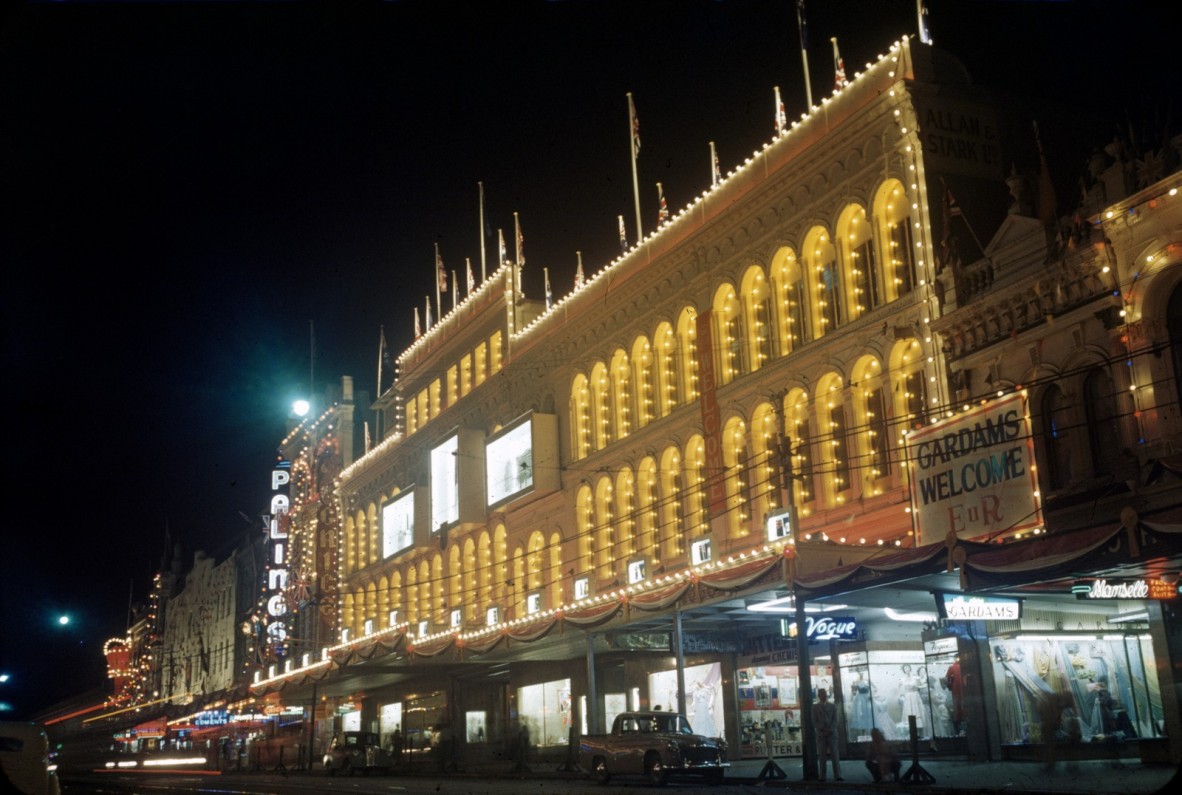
(892, 214)
(456, 599)
(500, 565)
(554, 575)
(621, 394)
(788, 299)
(425, 583)
(757, 318)
(1174, 332)
(646, 508)
(672, 504)
(1056, 436)
(872, 446)
(601, 417)
(535, 562)
(469, 593)
(642, 381)
(835, 458)
(484, 571)
(909, 385)
(694, 487)
(820, 260)
(412, 594)
(665, 342)
(396, 602)
(1104, 436)
(580, 414)
(858, 261)
(605, 520)
(728, 334)
(687, 347)
(737, 477)
(798, 428)
(764, 432)
(585, 517)
(625, 512)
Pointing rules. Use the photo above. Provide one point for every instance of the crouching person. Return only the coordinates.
(881, 760)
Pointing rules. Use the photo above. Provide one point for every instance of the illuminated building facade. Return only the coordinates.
(622, 500)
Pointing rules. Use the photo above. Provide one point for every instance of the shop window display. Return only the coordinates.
(941, 657)
(769, 702)
(883, 689)
(546, 709)
(703, 698)
(1108, 682)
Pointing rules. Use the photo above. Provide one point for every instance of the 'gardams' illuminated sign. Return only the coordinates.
(1124, 589)
(957, 607)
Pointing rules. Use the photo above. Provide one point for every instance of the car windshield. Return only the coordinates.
(673, 724)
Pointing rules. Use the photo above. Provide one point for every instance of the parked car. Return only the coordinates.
(656, 745)
(24, 760)
(351, 752)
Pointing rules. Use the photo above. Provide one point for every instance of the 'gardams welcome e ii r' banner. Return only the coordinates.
(974, 474)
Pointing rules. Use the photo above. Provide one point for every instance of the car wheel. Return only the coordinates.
(599, 770)
(655, 770)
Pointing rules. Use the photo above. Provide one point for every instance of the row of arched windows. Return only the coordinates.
(797, 298)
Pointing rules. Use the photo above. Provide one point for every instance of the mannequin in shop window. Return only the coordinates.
(955, 683)
(861, 711)
(909, 699)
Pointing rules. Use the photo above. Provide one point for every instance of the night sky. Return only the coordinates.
(208, 206)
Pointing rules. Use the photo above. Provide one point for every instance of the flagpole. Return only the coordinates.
(921, 11)
(455, 292)
(804, 51)
(633, 141)
(381, 352)
(438, 300)
(483, 268)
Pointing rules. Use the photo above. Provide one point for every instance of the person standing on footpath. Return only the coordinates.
(825, 723)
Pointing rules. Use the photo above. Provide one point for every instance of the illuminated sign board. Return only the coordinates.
(398, 524)
(823, 628)
(974, 474)
(1099, 588)
(779, 526)
(509, 467)
(277, 524)
(445, 490)
(958, 607)
(214, 717)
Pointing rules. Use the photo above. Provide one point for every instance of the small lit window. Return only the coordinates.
(393, 619)
(700, 551)
(533, 603)
(492, 616)
(635, 571)
(582, 587)
(345, 634)
(457, 618)
(423, 627)
(369, 626)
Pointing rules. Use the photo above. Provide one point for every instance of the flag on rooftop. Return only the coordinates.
(428, 313)
(471, 278)
(418, 328)
(840, 80)
(520, 242)
(781, 117)
(635, 127)
(579, 277)
(441, 273)
(663, 212)
(715, 174)
(623, 236)
(501, 247)
(549, 295)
